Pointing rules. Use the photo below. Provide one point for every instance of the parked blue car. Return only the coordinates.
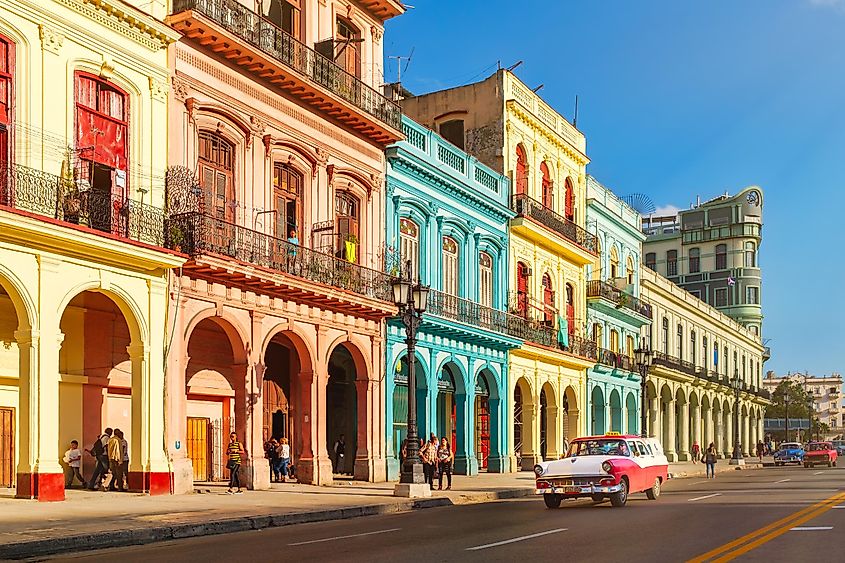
(789, 452)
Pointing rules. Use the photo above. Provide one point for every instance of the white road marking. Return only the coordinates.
(818, 472)
(783, 480)
(345, 537)
(513, 540)
(704, 497)
(810, 528)
(840, 506)
(700, 482)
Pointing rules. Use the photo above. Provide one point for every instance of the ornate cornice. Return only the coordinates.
(126, 20)
(538, 126)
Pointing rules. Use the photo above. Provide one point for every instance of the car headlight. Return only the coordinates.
(538, 470)
(607, 466)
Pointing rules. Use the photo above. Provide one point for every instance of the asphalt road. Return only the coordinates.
(772, 514)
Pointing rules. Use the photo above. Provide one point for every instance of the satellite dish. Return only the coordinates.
(640, 203)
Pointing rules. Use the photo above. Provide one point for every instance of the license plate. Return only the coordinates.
(572, 489)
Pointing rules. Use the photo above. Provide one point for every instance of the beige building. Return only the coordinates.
(826, 391)
(698, 353)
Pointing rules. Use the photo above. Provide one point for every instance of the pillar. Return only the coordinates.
(552, 439)
(364, 468)
(669, 432)
(684, 430)
(654, 417)
(728, 445)
(465, 460)
(497, 461)
(531, 433)
(695, 417)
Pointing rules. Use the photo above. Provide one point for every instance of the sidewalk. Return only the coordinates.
(684, 469)
(91, 520)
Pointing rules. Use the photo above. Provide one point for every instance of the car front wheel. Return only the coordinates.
(619, 499)
(654, 491)
(552, 500)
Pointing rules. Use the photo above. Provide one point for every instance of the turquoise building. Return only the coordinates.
(448, 214)
(614, 312)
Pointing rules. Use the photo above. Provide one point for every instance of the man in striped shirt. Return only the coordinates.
(234, 451)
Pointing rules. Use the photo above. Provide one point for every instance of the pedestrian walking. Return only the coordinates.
(73, 459)
(760, 450)
(445, 457)
(284, 458)
(271, 453)
(99, 452)
(710, 461)
(124, 446)
(340, 454)
(428, 455)
(696, 451)
(234, 451)
(115, 453)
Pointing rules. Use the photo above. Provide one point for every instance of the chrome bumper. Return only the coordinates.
(585, 490)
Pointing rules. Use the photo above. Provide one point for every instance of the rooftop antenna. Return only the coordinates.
(513, 66)
(575, 116)
(399, 68)
(538, 88)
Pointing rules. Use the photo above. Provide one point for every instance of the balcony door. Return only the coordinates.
(347, 219)
(348, 47)
(548, 186)
(569, 200)
(522, 273)
(409, 246)
(570, 309)
(7, 69)
(521, 180)
(485, 278)
(287, 15)
(216, 165)
(548, 300)
(287, 196)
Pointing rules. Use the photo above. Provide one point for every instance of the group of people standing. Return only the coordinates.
(111, 451)
(437, 460)
(277, 453)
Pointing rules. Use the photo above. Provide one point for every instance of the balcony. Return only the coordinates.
(469, 312)
(671, 362)
(264, 50)
(580, 246)
(289, 271)
(61, 199)
(615, 360)
(597, 289)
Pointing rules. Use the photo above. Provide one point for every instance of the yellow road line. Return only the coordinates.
(784, 523)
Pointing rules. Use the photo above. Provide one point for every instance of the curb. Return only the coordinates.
(136, 536)
(703, 472)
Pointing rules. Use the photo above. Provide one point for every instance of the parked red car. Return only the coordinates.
(818, 453)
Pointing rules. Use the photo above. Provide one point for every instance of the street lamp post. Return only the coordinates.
(737, 458)
(411, 299)
(643, 358)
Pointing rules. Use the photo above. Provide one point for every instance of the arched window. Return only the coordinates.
(750, 255)
(665, 336)
(671, 263)
(522, 273)
(548, 300)
(570, 309)
(629, 270)
(347, 211)
(409, 245)
(451, 270)
(704, 353)
(548, 186)
(651, 261)
(716, 357)
(721, 256)
(485, 286)
(347, 47)
(693, 349)
(680, 342)
(614, 341)
(521, 180)
(7, 82)
(217, 166)
(287, 192)
(694, 260)
(614, 262)
(569, 199)
(725, 360)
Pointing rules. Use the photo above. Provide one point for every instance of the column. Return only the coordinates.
(497, 460)
(747, 446)
(364, 469)
(552, 434)
(684, 430)
(729, 434)
(465, 460)
(531, 433)
(695, 417)
(669, 431)
(653, 417)
(148, 468)
(175, 404)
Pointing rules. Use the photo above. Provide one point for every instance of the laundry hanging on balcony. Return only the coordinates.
(563, 332)
(350, 251)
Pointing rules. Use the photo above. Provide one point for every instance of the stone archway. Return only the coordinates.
(342, 412)
(400, 401)
(487, 424)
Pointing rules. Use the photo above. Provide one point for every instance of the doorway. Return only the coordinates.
(7, 447)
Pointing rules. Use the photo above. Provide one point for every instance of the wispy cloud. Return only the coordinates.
(664, 210)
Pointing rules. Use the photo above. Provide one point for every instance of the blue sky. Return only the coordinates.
(679, 99)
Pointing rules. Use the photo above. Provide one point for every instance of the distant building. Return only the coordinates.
(711, 251)
(826, 392)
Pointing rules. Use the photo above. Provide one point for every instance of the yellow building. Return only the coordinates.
(700, 357)
(83, 271)
(507, 126)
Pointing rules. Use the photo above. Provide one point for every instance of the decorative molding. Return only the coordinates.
(158, 89)
(126, 20)
(257, 126)
(180, 88)
(377, 34)
(51, 40)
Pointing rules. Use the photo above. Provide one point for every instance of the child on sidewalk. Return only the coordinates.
(73, 458)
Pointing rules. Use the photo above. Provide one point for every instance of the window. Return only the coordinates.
(672, 263)
(597, 335)
(693, 349)
(548, 300)
(570, 309)
(7, 69)
(665, 335)
(704, 359)
(485, 277)
(614, 263)
(752, 295)
(680, 340)
(569, 200)
(629, 346)
(716, 357)
(629, 270)
(597, 265)
(347, 47)
(521, 180)
(451, 272)
(409, 245)
(522, 273)
(287, 14)
(287, 192)
(651, 261)
(721, 257)
(743, 369)
(453, 131)
(694, 260)
(750, 255)
(614, 341)
(347, 218)
(216, 164)
(725, 356)
(736, 363)
(755, 330)
(548, 186)
(721, 297)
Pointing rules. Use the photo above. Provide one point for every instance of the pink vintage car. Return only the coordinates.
(820, 453)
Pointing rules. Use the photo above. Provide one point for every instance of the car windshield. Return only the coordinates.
(790, 446)
(819, 447)
(598, 447)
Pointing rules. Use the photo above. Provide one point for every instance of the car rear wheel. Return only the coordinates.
(654, 491)
(619, 499)
(552, 500)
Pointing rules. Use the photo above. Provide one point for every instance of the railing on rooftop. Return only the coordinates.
(598, 288)
(527, 207)
(198, 233)
(283, 47)
(40, 193)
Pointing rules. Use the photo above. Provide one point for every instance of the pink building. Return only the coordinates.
(276, 191)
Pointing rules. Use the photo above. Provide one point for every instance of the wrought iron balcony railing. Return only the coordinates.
(527, 207)
(675, 363)
(41, 193)
(198, 233)
(616, 360)
(271, 40)
(598, 288)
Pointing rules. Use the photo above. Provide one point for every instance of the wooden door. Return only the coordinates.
(199, 448)
(7, 447)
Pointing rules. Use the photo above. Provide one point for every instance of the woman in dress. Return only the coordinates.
(445, 457)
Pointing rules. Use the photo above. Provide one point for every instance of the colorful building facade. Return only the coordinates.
(276, 193)
(508, 127)
(83, 268)
(447, 218)
(615, 314)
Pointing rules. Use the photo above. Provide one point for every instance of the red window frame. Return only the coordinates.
(548, 186)
(521, 180)
(569, 203)
(7, 99)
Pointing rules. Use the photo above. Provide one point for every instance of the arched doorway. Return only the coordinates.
(548, 423)
(523, 425)
(571, 414)
(631, 414)
(14, 324)
(615, 411)
(522, 274)
(597, 413)
(447, 408)
(544, 424)
(400, 402)
(548, 300)
(342, 412)
(281, 390)
(482, 421)
(569, 199)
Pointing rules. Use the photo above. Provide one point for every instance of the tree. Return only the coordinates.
(789, 400)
